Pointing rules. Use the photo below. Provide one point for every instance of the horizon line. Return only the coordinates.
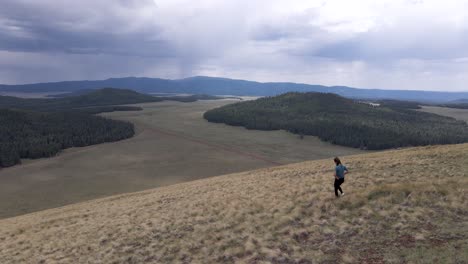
(233, 79)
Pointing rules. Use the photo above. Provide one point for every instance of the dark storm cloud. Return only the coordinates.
(383, 46)
(366, 43)
(49, 28)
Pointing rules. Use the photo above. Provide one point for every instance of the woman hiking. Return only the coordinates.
(340, 172)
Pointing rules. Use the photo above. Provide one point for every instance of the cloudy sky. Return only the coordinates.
(392, 44)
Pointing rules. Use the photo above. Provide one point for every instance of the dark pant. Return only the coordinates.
(338, 182)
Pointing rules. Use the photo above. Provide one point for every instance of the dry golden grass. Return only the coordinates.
(400, 206)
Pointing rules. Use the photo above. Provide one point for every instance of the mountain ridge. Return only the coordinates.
(226, 86)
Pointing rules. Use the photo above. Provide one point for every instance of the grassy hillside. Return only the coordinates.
(405, 206)
(343, 121)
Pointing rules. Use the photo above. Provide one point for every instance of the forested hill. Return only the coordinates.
(460, 104)
(101, 97)
(109, 96)
(92, 98)
(35, 128)
(224, 86)
(342, 121)
(25, 134)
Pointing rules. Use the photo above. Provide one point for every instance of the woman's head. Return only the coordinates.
(337, 161)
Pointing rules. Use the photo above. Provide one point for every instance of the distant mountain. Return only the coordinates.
(459, 101)
(224, 86)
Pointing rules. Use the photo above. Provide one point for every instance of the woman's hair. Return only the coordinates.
(337, 161)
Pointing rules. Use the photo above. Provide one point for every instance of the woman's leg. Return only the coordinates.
(337, 187)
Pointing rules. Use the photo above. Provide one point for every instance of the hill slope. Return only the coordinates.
(87, 99)
(343, 121)
(100, 97)
(400, 206)
(109, 96)
(224, 86)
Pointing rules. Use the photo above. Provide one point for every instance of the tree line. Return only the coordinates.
(36, 128)
(343, 121)
(457, 106)
(31, 135)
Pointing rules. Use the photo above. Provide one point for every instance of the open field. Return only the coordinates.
(404, 206)
(173, 144)
(461, 114)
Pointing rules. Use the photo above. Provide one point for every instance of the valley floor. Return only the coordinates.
(460, 114)
(402, 206)
(173, 144)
